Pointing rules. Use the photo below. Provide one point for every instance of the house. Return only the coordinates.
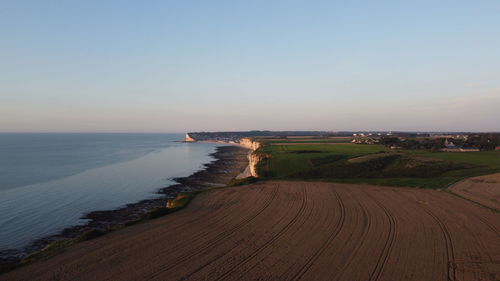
(365, 140)
(451, 147)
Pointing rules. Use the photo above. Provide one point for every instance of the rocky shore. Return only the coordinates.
(229, 161)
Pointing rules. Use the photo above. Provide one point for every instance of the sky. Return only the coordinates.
(179, 66)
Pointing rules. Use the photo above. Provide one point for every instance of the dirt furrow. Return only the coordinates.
(323, 247)
(359, 243)
(295, 231)
(274, 238)
(389, 242)
(451, 272)
(217, 239)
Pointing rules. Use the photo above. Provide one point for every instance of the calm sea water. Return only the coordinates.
(48, 181)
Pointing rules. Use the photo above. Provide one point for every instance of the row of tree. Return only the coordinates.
(427, 143)
(483, 141)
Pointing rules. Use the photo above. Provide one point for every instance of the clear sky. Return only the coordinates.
(175, 66)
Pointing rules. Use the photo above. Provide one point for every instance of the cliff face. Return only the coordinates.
(249, 143)
(188, 138)
(253, 158)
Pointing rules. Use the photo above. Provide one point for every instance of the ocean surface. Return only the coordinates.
(48, 181)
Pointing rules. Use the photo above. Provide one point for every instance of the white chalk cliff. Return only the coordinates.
(188, 138)
(253, 158)
(250, 144)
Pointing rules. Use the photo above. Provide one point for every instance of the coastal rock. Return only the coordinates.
(228, 162)
(246, 142)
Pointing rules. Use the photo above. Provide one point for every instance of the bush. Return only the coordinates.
(369, 167)
(155, 213)
(48, 251)
(421, 168)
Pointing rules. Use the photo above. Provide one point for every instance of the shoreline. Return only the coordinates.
(228, 162)
(245, 143)
(291, 211)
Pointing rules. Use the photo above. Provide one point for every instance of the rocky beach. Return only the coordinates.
(229, 161)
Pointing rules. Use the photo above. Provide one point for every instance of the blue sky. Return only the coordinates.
(174, 66)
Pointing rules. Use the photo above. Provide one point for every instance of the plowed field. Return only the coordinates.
(484, 190)
(295, 231)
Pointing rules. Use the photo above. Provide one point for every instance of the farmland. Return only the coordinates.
(310, 140)
(320, 211)
(373, 164)
(279, 230)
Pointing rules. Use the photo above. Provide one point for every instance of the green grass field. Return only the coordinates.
(307, 140)
(288, 159)
(374, 164)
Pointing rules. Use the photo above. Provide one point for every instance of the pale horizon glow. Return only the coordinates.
(180, 66)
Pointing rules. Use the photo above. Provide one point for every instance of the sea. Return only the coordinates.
(48, 180)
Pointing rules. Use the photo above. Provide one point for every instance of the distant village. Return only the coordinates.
(435, 142)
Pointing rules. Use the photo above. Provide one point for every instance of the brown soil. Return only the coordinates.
(484, 190)
(295, 231)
